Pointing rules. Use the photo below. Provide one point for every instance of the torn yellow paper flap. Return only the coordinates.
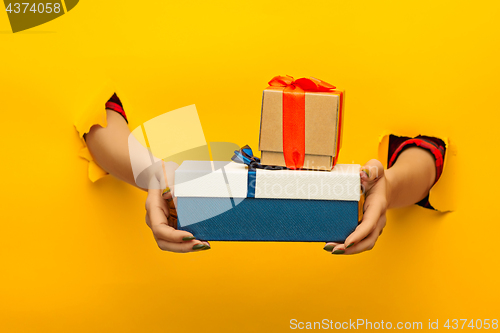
(95, 172)
(442, 195)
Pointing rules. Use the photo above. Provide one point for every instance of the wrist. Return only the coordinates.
(410, 178)
(150, 177)
(389, 180)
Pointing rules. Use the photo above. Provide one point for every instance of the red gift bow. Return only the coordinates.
(294, 103)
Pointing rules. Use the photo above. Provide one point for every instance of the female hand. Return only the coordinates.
(161, 217)
(374, 185)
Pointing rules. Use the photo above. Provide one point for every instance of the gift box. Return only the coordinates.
(301, 123)
(227, 201)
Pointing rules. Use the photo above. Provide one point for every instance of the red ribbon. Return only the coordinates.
(294, 103)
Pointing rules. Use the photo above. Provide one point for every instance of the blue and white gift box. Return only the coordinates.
(227, 201)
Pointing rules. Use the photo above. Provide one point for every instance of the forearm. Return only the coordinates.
(410, 178)
(109, 147)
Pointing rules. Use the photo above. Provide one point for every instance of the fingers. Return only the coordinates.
(155, 199)
(169, 173)
(158, 223)
(372, 175)
(161, 222)
(170, 239)
(374, 210)
(364, 245)
(169, 234)
(172, 218)
(330, 246)
(158, 212)
(335, 248)
(192, 246)
(372, 171)
(171, 199)
(369, 242)
(167, 195)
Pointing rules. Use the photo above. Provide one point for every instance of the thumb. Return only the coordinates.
(372, 171)
(170, 197)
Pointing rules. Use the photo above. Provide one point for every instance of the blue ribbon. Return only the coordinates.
(251, 183)
(245, 156)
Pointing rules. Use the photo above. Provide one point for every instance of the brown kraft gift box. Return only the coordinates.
(323, 125)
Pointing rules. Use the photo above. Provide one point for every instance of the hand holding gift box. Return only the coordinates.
(235, 202)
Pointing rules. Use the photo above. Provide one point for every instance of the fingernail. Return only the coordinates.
(188, 238)
(206, 248)
(328, 248)
(348, 246)
(338, 251)
(367, 173)
(198, 246)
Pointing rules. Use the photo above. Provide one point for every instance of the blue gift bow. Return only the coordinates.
(245, 156)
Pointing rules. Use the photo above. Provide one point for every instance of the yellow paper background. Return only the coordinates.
(77, 256)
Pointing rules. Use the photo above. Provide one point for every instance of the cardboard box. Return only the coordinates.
(225, 201)
(323, 126)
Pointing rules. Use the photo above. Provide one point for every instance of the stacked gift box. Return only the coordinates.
(296, 191)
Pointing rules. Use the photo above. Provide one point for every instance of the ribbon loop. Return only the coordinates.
(245, 156)
(307, 84)
(281, 81)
